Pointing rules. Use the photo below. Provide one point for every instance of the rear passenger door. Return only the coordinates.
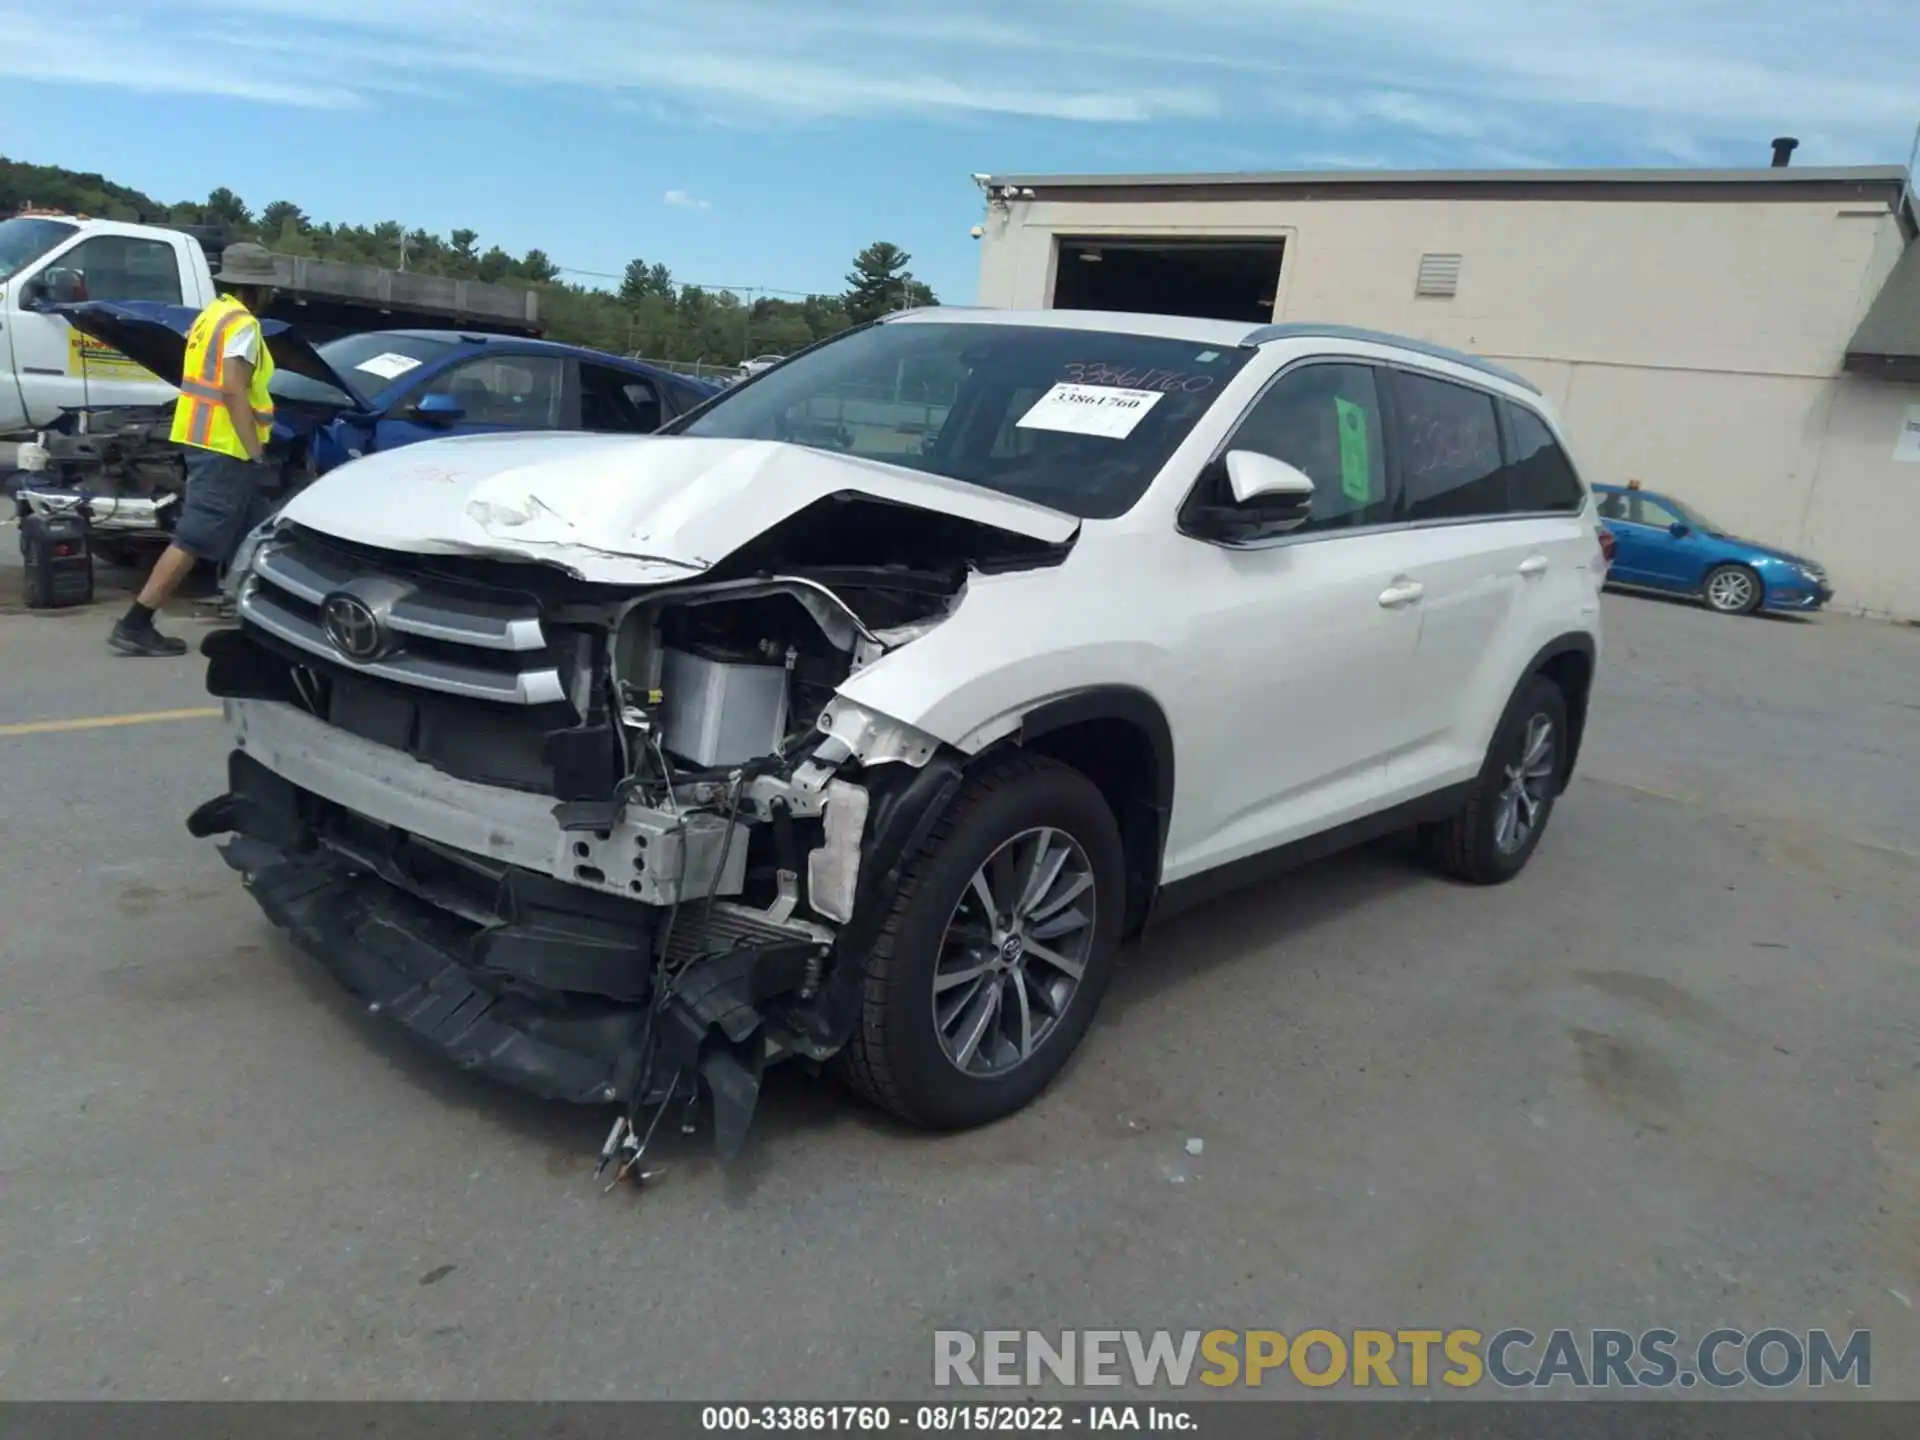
(1501, 562)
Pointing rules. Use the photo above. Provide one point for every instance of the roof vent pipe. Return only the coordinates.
(1783, 149)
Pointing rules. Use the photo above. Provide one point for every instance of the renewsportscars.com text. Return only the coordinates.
(1510, 1359)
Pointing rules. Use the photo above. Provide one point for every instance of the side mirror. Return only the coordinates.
(1280, 494)
(438, 409)
(1265, 497)
(1679, 530)
(1252, 476)
(55, 285)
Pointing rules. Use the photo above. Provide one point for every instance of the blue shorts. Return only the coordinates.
(223, 503)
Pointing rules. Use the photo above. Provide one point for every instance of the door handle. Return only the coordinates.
(1401, 593)
(1533, 565)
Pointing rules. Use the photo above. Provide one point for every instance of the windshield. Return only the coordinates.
(25, 239)
(1078, 420)
(368, 363)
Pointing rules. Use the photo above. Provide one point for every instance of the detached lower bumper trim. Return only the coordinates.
(110, 514)
(382, 947)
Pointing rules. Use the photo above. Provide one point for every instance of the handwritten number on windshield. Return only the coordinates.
(1094, 372)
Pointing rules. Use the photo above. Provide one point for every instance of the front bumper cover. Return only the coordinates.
(505, 972)
(392, 953)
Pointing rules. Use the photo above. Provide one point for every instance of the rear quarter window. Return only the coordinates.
(1541, 477)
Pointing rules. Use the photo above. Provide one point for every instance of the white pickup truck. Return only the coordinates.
(46, 366)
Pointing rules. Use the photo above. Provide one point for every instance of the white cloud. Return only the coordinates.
(682, 200)
(1467, 82)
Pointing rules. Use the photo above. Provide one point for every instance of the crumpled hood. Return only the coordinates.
(619, 509)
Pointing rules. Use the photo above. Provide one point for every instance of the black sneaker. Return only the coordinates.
(144, 640)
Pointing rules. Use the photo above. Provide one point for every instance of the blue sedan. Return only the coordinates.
(385, 388)
(1662, 544)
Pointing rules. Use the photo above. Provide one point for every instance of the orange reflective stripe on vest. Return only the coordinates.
(201, 417)
(212, 361)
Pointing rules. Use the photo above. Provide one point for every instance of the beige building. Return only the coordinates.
(1748, 340)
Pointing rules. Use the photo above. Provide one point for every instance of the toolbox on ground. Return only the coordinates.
(59, 563)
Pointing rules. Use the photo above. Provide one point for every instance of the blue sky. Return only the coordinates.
(761, 142)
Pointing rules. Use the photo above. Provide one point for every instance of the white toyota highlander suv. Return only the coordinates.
(862, 714)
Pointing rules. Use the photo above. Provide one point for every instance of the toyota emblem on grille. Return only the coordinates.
(353, 628)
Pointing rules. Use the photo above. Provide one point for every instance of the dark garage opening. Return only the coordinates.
(1212, 280)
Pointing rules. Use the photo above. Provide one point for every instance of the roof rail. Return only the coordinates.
(892, 315)
(1300, 331)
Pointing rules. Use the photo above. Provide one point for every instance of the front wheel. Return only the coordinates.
(1732, 590)
(1511, 800)
(998, 946)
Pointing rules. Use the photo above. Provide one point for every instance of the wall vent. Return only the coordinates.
(1439, 276)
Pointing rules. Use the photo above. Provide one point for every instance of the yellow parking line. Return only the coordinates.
(102, 722)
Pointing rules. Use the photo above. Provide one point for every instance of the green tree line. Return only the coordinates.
(648, 313)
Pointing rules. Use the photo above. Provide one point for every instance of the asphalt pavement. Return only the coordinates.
(1667, 1078)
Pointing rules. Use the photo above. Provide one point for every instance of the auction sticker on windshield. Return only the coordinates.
(1103, 410)
(388, 365)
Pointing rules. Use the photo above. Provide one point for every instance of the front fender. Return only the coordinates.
(1013, 643)
(971, 705)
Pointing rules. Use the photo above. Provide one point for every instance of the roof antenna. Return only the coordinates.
(1783, 149)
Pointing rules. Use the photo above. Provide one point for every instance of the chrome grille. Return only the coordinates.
(434, 638)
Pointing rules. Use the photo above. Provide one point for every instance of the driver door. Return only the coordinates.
(1293, 676)
(491, 392)
(59, 368)
(1648, 552)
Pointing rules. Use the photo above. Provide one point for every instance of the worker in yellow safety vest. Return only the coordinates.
(223, 419)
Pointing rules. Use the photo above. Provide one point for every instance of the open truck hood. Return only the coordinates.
(154, 337)
(621, 509)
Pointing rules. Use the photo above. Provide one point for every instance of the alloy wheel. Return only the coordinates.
(1528, 789)
(1730, 590)
(1014, 952)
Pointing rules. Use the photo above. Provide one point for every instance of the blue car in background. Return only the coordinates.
(332, 403)
(385, 388)
(389, 388)
(1663, 544)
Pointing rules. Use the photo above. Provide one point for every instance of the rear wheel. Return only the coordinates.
(1732, 590)
(997, 948)
(1511, 800)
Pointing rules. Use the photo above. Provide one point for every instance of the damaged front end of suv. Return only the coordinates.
(589, 815)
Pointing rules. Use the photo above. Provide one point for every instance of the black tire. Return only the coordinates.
(1467, 846)
(1755, 590)
(894, 1057)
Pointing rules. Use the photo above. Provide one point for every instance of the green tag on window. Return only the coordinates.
(1356, 474)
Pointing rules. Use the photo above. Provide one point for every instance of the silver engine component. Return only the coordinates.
(718, 712)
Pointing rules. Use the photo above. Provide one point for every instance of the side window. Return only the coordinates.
(518, 390)
(1325, 420)
(617, 401)
(684, 396)
(1541, 477)
(1449, 447)
(1645, 510)
(1613, 504)
(125, 267)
